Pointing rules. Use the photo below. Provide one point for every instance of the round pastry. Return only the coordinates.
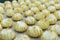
(1, 17)
(6, 22)
(57, 14)
(19, 1)
(1, 10)
(46, 12)
(34, 9)
(30, 20)
(34, 31)
(24, 7)
(0, 27)
(51, 18)
(49, 35)
(47, 4)
(10, 12)
(55, 28)
(52, 3)
(39, 16)
(43, 24)
(22, 37)
(7, 2)
(18, 10)
(28, 13)
(52, 8)
(2, 5)
(20, 26)
(17, 17)
(57, 6)
(7, 34)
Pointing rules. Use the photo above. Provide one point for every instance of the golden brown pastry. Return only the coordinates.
(34, 31)
(20, 26)
(49, 35)
(7, 34)
(30, 20)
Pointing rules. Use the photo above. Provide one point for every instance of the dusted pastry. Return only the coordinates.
(52, 3)
(7, 34)
(43, 24)
(49, 35)
(34, 9)
(7, 2)
(51, 18)
(1, 17)
(34, 31)
(29, 13)
(17, 17)
(55, 28)
(46, 12)
(20, 26)
(22, 37)
(0, 27)
(39, 16)
(1, 10)
(57, 14)
(18, 10)
(52, 8)
(6, 22)
(30, 20)
(2, 5)
(57, 6)
(9, 12)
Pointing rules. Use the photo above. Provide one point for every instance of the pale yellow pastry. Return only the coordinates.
(47, 4)
(45, 12)
(18, 10)
(24, 7)
(1, 10)
(34, 9)
(57, 6)
(30, 20)
(22, 37)
(1, 27)
(39, 16)
(52, 3)
(10, 12)
(19, 1)
(57, 1)
(52, 8)
(34, 31)
(7, 34)
(57, 14)
(6, 22)
(1, 17)
(49, 35)
(51, 18)
(29, 13)
(55, 28)
(2, 5)
(17, 17)
(7, 2)
(43, 24)
(20, 26)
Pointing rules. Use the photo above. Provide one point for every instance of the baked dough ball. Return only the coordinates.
(29, 13)
(0, 27)
(46, 12)
(41, 7)
(1, 17)
(22, 37)
(10, 12)
(20, 26)
(34, 9)
(57, 6)
(1, 10)
(55, 28)
(51, 18)
(15, 4)
(18, 10)
(30, 20)
(43, 24)
(49, 35)
(7, 2)
(2, 5)
(24, 7)
(52, 3)
(19, 1)
(52, 8)
(57, 14)
(47, 4)
(7, 34)
(17, 17)
(34, 31)
(39, 16)
(6, 22)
